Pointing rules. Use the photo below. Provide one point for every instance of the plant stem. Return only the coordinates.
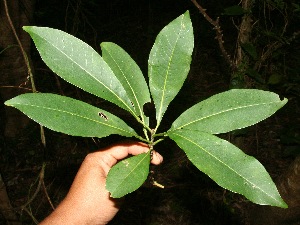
(30, 74)
(160, 134)
(146, 134)
(21, 46)
(159, 140)
(143, 139)
(219, 33)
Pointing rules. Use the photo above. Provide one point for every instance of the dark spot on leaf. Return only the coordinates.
(103, 116)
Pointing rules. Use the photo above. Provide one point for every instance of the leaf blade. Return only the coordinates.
(128, 73)
(78, 63)
(128, 175)
(70, 116)
(230, 110)
(228, 166)
(169, 62)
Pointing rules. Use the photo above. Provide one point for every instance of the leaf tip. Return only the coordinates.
(8, 102)
(106, 44)
(187, 12)
(282, 204)
(26, 28)
(102, 44)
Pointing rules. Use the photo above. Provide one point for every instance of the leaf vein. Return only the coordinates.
(223, 111)
(132, 170)
(84, 69)
(74, 114)
(168, 70)
(248, 181)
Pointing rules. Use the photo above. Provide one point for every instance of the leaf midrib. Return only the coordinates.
(224, 111)
(125, 178)
(167, 72)
(251, 183)
(76, 115)
(135, 97)
(89, 72)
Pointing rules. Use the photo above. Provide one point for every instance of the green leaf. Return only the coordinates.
(128, 175)
(129, 74)
(230, 110)
(228, 166)
(70, 116)
(79, 64)
(169, 62)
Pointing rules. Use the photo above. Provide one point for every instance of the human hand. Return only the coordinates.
(88, 202)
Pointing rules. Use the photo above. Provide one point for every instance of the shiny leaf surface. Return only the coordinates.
(129, 74)
(70, 116)
(128, 175)
(228, 166)
(79, 64)
(230, 110)
(169, 62)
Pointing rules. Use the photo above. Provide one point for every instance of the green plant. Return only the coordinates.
(116, 78)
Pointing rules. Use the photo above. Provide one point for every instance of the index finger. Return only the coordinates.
(111, 155)
(122, 150)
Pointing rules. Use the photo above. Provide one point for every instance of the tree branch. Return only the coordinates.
(20, 45)
(30, 74)
(219, 33)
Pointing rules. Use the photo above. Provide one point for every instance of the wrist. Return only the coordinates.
(65, 215)
(71, 213)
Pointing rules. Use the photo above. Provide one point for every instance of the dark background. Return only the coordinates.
(189, 196)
